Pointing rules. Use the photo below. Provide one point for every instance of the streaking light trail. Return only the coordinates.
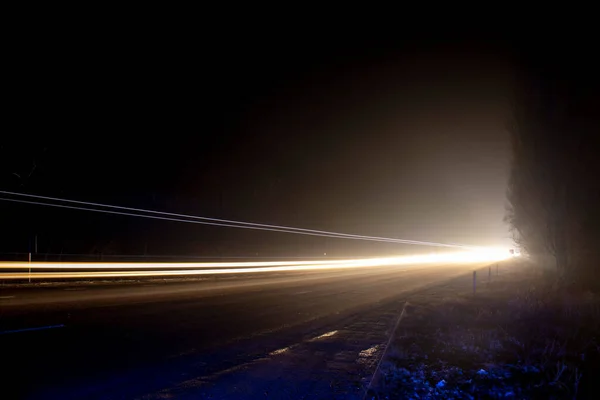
(116, 270)
(159, 215)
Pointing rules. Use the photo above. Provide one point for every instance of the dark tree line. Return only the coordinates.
(554, 187)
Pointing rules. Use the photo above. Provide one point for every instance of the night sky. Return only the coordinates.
(403, 141)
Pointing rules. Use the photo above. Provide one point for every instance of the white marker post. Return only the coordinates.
(29, 267)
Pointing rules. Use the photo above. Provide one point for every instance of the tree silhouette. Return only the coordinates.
(553, 190)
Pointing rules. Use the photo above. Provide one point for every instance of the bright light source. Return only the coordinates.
(116, 270)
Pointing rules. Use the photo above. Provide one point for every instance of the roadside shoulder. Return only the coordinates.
(515, 338)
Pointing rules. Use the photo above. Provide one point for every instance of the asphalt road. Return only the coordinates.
(142, 339)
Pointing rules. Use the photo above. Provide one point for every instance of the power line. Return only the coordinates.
(174, 219)
(225, 221)
(214, 221)
(205, 222)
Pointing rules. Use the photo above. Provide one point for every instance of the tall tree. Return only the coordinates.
(553, 190)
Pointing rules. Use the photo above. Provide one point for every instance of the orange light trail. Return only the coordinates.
(116, 270)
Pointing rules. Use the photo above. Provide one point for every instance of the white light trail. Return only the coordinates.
(140, 265)
(129, 270)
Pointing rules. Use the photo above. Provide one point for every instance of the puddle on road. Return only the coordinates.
(279, 351)
(328, 334)
(368, 355)
(286, 349)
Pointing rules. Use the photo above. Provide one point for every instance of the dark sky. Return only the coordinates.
(404, 141)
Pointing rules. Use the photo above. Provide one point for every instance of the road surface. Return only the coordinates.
(271, 335)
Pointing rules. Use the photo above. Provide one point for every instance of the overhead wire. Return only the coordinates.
(226, 221)
(212, 221)
(176, 219)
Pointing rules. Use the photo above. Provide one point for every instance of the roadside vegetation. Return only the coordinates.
(518, 337)
(554, 191)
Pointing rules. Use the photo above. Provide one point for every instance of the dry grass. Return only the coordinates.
(518, 337)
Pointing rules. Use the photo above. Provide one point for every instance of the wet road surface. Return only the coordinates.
(260, 336)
